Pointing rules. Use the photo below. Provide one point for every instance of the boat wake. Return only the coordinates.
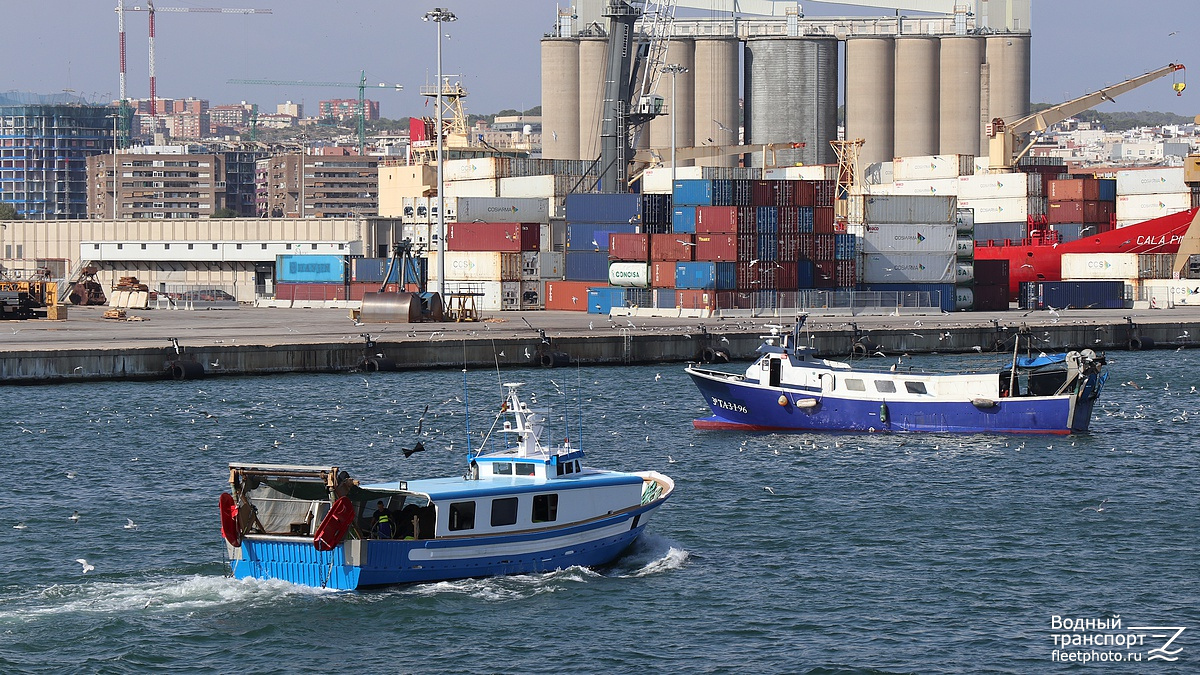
(174, 594)
(651, 554)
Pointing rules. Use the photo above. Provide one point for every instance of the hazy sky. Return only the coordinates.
(52, 45)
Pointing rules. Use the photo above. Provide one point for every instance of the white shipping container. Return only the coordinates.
(808, 172)
(1150, 181)
(1139, 207)
(1006, 210)
(902, 209)
(498, 210)
(476, 168)
(879, 173)
(1108, 266)
(908, 238)
(937, 186)
(898, 268)
(533, 294)
(417, 233)
(1169, 293)
(530, 265)
(1000, 186)
(484, 187)
(552, 265)
(544, 186)
(933, 166)
(477, 266)
(629, 274)
(657, 181)
(965, 248)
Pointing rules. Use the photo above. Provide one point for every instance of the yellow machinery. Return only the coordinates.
(26, 299)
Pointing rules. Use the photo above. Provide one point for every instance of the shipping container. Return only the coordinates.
(604, 208)
(551, 265)
(1150, 181)
(964, 298)
(311, 292)
(932, 167)
(311, 268)
(824, 220)
(544, 186)
(477, 266)
(824, 247)
(808, 172)
(747, 246)
(602, 299)
(1157, 266)
(629, 247)
(1005, 210)
(716, 219)
(585, 236)
(922, 268)
(716, 247)
(845, 247)
(964, 272)
(586, 265)
(1086, 212)
(915, 295)
(629, 274)
(656, 209)
(639, 297)
(509, 237)
(706, 275)
(372, 270)
(662, 274)
(806, 271)
(940, 186)
(692, 192)
(1139, 207)
(964, 248)
(664, 298)
(1109, 266)
(1000, 231)
(991, 298)
(683, 219)
(497, 210)
(533, 294)
(1073, 190)
(877, 173)
(1072, 294)
(909, 238)
(1000, 186)
(570, 296)
(476, 168)
(789, 247)
(964, 219)
(767, 247)
(485, 187)
(696, 299)
(678, 247)
(658, 180)
(557, 240)
(903, 209)
(825, 273)
(845, 273)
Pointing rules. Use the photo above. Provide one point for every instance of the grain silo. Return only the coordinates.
(870, 96)
(917, 77)
(560, 98)
(792, 96)
(959, 122)
(680, 108)
(593, 60)
(716, 97)
(1008, 69)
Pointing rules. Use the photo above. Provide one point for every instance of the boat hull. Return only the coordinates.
(747, 405)
(376, 562)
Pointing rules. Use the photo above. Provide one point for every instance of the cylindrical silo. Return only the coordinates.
(716, 97)
(958, 125)
(560, 98)
(680, 110)
(871, 96)
(592, 64)
(916, 115)
(1008, 68)
(791, 96)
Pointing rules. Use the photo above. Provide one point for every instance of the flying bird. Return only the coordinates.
(87, 567)
(722, 127)
(768, 489)
(1099, 508)
(130, 525)
(75, 517)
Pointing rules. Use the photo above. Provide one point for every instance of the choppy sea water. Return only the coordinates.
(867, 554)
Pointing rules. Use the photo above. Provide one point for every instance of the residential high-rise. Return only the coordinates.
(159, 183)
(334, 186)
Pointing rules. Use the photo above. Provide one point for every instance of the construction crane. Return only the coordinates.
(362, 97)
(150, 10)
(1002, 147)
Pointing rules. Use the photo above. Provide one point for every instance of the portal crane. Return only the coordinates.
(362, 97)
(1004, 136)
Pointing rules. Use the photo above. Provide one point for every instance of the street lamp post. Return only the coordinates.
(438, 16)
(114, 117)
(674, 69)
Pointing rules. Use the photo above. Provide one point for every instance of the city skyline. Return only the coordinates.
(493, 49)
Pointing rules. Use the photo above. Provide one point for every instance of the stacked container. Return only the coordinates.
(1079, 207)
(1145, 194)
(1003, 203)
(910, 247)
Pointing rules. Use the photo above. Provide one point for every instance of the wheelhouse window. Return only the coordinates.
(545, 508)
(504, 511)
(856, 385)
(885, 386)
(524, 469)
(502, 468)
(462, 516)
(915, 387)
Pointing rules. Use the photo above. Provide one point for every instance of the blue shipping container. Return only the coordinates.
(585, 266)
(806, 271)
(602, 299)
(767, 219)
(915, 295)
(594, 236)
(639, 297)
(307, 269)
(845, 247)
(722, 192)
(683, 219)
(768, 247)
(1075, 294)
(605, 208)
(1108, 189)
(656, 209)
(664, 298)
(806, 219)
(689, 192)
(718, 276)
(372, 271)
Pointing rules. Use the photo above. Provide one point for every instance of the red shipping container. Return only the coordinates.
(789, 219)
(785, 192)
(825, 274)
(823, 220)
(1089, 212)
(806, 193)
(747, 246)
(716, 247)
(716, 219)
(508, 237)
(692, 299)
(662, 274)
(311, 292)
(784, 277)
(807, 246)
(568, 295)
(789, 247)
(747, 221)
(1073, 190)
(824, 247)
(679, 247)
(746, 276)
(762, 193)
(358, 288)
(629, 247)
(824, 192)
(735, 300)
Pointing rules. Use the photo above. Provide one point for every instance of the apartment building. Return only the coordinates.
(156, 182)
(334, 186)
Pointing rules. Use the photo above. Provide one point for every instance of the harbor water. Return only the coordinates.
(799, 553)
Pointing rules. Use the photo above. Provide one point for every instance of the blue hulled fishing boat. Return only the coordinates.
(524, 506)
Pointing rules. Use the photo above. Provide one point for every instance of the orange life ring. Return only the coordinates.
(334, 525)
(229, 526)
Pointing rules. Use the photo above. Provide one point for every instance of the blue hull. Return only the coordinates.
(408, 561)
(746, 405)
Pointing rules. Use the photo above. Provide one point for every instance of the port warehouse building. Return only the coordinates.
(237, 255)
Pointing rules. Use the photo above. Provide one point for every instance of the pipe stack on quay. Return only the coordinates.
(270, 341)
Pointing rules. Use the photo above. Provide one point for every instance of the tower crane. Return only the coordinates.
(362, 96)
(150, 10)
(1002, 146)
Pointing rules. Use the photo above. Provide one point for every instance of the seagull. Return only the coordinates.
(685, 243)
(657, 377)
(671, 460)
(20, 526)
(75, 516)
(87, 567)
(753, 263)
(595, 244)
(724, 339)
(356, 322)
(768, 489)
(590, 326)
(1099, 508)
(216, 364)
(977, 348)
(77, 369)
(130, 525)
(722, 127)
(554, 135)
(71, 474)
(527, 354)
(501, 354)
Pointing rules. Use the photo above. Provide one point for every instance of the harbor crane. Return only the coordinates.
(1004, 137)
(362, 100)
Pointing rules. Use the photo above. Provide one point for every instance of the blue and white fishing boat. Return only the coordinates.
(524, 506)
(790, 388)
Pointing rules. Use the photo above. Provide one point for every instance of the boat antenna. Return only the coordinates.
(579, 401)
(466, 400)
